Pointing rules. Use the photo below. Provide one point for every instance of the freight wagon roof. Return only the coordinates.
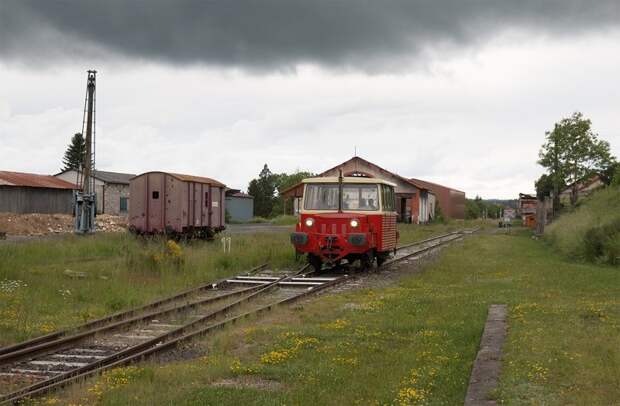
(188, 178)
(33, 180)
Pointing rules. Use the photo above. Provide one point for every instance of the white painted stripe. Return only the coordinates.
(55, 363)
(134, 337)
(301, 283)
(88, 350)
(267, 278)
(246, 282)
(79, 356)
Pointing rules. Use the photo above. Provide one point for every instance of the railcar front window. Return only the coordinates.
(355, 197)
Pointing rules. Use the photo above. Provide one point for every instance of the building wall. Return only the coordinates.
(111, 195)
(240, 208)
(16, 199)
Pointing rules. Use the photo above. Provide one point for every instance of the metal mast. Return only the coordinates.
(85, 200)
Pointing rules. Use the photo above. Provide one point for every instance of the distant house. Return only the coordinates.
(527, 209)
(584, 188)
(112, 190)
(30, 193)
(239, 205)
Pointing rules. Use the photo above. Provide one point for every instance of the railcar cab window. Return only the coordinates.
(355, 197)
(387, 194)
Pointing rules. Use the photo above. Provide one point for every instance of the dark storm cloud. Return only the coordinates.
(265, 34)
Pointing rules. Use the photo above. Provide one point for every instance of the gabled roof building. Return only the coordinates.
(415, 200)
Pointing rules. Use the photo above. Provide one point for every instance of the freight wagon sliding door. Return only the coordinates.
(197, 203)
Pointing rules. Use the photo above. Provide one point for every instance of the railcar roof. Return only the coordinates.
(349, 179)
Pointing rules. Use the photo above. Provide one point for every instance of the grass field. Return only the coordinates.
(41, 290)
(410, 343)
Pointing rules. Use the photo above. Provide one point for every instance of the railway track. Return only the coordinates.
(45, 363)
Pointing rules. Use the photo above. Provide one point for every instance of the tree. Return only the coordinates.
(284, 181)
(572, 153)
(263, 190)
(610, 173)
(472, 208)
(74, 155)
(615, 180)
(544, 186)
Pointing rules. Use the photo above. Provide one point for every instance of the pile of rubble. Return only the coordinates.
(35, 224)
(111, 224)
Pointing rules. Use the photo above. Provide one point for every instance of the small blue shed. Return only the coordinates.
(239, 205)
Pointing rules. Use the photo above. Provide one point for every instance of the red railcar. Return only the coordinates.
(346, 218)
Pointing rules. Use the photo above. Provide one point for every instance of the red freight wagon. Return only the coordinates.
(176, 205)
(350, 218)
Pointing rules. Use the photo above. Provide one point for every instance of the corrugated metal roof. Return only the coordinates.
(190, 178)
(114, 177)
(33, 180)
(108, 177)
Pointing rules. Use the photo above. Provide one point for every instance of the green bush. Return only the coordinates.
(615, 181)
(591, 231)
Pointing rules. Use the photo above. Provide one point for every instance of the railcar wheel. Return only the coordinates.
(366, 260)
(382, 257)
(316, 262)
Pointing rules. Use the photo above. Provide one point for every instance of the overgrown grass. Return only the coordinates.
(592, 231)
(39, 290)
(411, 343)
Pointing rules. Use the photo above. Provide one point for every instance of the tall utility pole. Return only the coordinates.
(86, 199)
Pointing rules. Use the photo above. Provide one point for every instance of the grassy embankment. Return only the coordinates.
(592, 231)
(412, 343)
(38, 295)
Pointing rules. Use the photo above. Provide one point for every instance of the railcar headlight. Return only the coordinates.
(354, 223)
(309, 222)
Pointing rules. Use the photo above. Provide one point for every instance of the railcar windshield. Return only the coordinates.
(355, 197)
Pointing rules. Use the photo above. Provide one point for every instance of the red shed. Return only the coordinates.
(175, 204)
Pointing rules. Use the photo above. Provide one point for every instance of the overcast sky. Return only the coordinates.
(457, 92)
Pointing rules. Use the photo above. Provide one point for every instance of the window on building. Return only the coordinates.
(124, 204)
(155, 195)
(206, 199)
